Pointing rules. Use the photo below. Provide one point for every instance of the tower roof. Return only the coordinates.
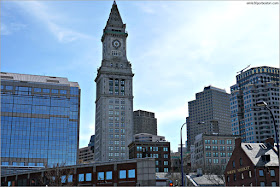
(115, 19)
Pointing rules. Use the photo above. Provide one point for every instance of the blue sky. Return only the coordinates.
(175, 48)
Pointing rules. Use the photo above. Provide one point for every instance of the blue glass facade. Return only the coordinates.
(39, 123)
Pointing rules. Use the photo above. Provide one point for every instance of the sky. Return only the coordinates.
(176, 48)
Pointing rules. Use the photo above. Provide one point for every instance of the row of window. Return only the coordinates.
(215, 148)
(21, 164)
(229, 142)
(20, 89)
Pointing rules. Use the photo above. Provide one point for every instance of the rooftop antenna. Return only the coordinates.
(244, 69)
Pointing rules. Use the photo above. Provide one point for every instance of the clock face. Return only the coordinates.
(116, 43)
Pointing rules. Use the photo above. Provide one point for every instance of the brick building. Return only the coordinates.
(160, 150)
(253, 164)
(136, 172)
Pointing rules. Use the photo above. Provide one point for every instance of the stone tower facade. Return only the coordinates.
(114, 96)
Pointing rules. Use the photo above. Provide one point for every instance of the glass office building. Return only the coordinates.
(39, 120)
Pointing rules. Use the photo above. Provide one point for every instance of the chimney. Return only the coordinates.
(270, 141)
(238, 142)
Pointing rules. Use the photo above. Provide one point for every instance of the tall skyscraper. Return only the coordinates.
(254, 124)
(209, 113)
(144, 122)
(40, 120)
(114, 97)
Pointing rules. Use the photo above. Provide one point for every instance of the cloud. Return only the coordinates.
(7, 29)
(85, 134)
(52, 20)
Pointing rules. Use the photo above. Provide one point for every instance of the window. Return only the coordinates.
(165, 149)
(157, 170)
(240, 161)
(229, 142)
(156, 162)
(262, 184)
(63, 91)
(222, 141)
(165, 156)
(88, 177)
(272, 173)
(70, 178)
(63, 179)
(234, 177)
(228, 179)
(242, 176)
(54, 91)
(165, 163)
(122, 174)
(100, 176)
(261, 173)
(81, 177)
(166, 170)
(250, 173)
(46, 90)
(233, 164)
(31, 164)
(37, 90)
(9, 87)
(214, 141)
(131, 173)
(4, 163)
(109, 175)
(273, 184)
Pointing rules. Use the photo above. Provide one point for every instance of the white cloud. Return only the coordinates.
(52, 20)
(85, 134)
(7, 29)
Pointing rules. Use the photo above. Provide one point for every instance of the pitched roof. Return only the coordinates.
(254, 151)
(115, 19)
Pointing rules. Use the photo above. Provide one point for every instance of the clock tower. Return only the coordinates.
(114, 96)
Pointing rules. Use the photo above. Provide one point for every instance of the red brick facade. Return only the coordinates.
(240, 170)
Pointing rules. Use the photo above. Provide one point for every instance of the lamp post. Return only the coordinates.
(182, 170)
(264, 104)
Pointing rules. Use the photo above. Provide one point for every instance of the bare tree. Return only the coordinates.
(214, 174)
(58, 175)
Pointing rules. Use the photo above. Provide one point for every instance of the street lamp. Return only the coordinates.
(264, 104)
(182, 170)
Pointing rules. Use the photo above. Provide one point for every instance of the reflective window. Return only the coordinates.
(272, 173)
(70, 178)
(63, 178)
(63, 91)
(261, 172)
(45, 90)
(31, 164)
(37, 90)
(88, 177)
(100, 176)
(109, 175)
(4, 163)
(81, 177)
(273, 184)
(131, 173)
(9, 87)
(122, 174)
(54, 91)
